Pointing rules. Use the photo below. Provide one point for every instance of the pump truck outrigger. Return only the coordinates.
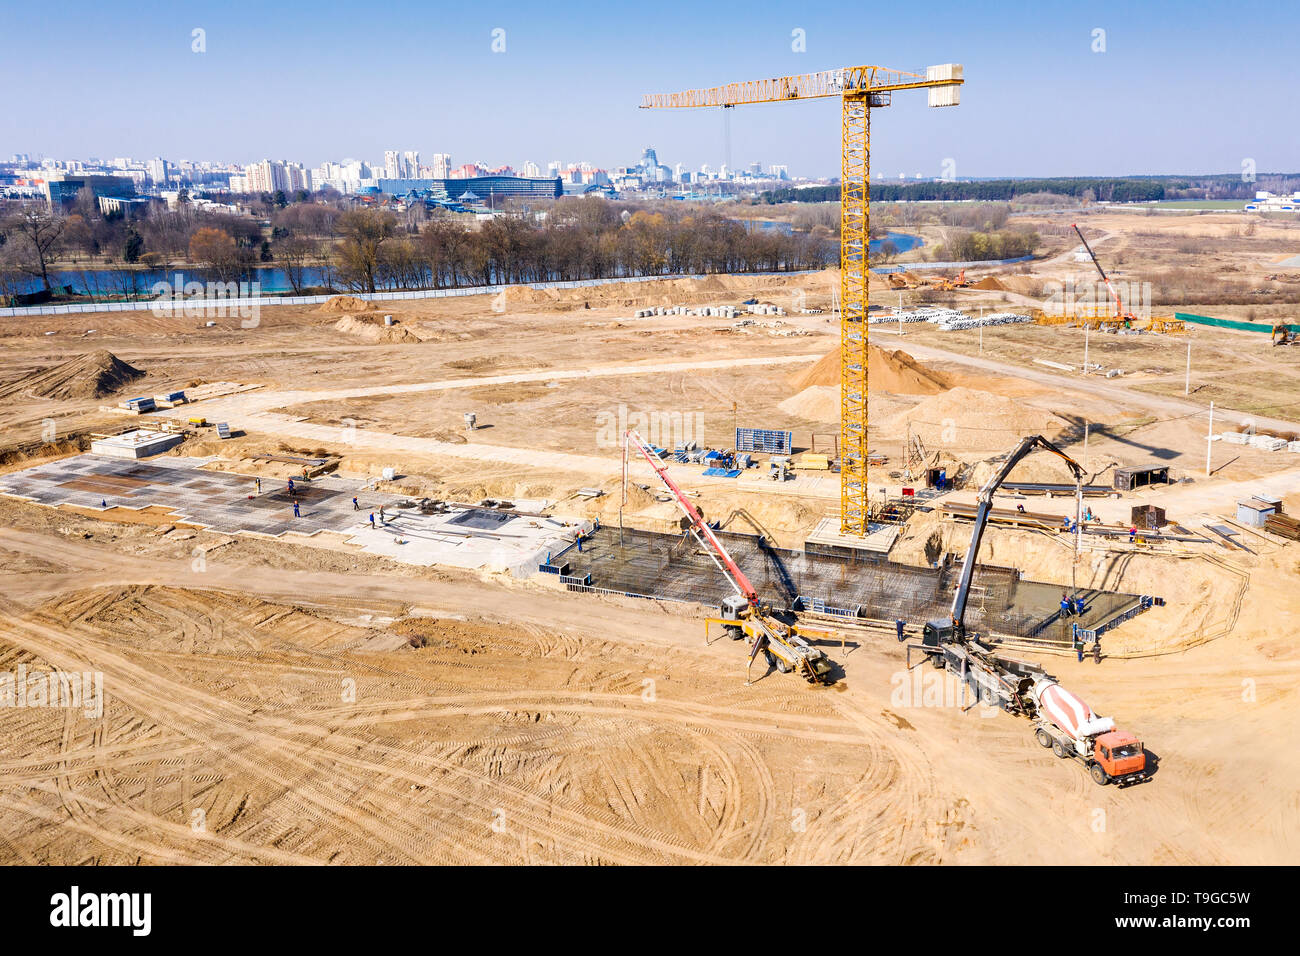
(743, 614)
(1061, 720)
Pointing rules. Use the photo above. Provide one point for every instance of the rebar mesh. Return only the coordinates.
(674, 567)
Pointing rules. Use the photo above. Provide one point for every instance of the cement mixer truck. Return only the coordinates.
(1068, 726)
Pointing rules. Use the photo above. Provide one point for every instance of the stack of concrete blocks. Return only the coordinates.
(1267, 442)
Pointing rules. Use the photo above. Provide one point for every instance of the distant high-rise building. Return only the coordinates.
(532, 170)
(392, 164)
(441, 165)
(159, 170)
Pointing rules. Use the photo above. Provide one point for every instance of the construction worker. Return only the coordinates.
(1065, 605)
(372, 519)
(1078, 606)
(355, 506)
(103, 503)
(290, 486)
(296, 512)
(1132, 534)
(258, 485)
(1096, 650)
(381, 514)
(899, 624)
(1020, 508)
(1078, 642)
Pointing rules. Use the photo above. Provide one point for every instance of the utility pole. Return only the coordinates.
(981, 330)
(1086, 329)
(1187, 384)
(1209, 442)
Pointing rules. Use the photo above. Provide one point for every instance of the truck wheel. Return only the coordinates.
(1099, 776)
(782, 666)
(770, 658)
(1043, 737)
(1058, 748)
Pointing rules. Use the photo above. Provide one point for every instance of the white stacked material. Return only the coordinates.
(917, 315)
(766, 310)
(1056, 365)
(1267, 442)
(974, 322)
(1293, 446)
(1235, 438)
(1113, 373)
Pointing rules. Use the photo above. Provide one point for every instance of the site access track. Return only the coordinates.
(250, 411)
(1101, 388)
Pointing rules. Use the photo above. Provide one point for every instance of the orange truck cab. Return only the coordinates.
(1118, 756)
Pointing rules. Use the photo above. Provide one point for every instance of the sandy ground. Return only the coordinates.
(268, 701)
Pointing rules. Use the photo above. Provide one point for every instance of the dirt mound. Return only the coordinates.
(1021, 284)
(94, 375)
(989, 283)
(887, 371)
(816, 403)
(370, 328)
(343, 303)
(968, 418)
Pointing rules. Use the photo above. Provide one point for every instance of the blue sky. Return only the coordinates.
(1190, 87)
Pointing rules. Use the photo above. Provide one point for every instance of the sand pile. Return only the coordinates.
(968, 418)
(816, 403)
(989, 283)
(1022, 284)
(371, 329)
(88, 376)
(343, 303)
(894, 372)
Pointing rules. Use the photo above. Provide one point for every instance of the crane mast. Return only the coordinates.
(860, 88)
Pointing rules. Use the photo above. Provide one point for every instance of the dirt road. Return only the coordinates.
(558, 728)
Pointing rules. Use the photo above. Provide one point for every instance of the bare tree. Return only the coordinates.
(38, 236)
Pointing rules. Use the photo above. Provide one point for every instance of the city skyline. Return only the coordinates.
(244, 94)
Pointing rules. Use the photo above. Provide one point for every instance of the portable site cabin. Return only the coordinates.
(1254, 512)
(1130, 479)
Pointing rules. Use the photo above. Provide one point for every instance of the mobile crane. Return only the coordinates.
(743, 614)
(1121, 317)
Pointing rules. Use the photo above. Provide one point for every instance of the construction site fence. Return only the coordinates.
(573, 584)
(1230, 323)
(178, 304)
(915, 266)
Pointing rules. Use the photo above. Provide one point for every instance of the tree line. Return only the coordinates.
(340, 245)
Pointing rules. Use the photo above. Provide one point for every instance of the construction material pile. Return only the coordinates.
(950, 320)
(343, 303)
(970, 419)
(895, 372)
(974, 322)
(916, 315)
(88, 376)
(1262, 442)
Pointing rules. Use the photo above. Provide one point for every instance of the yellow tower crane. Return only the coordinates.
(860, 89)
